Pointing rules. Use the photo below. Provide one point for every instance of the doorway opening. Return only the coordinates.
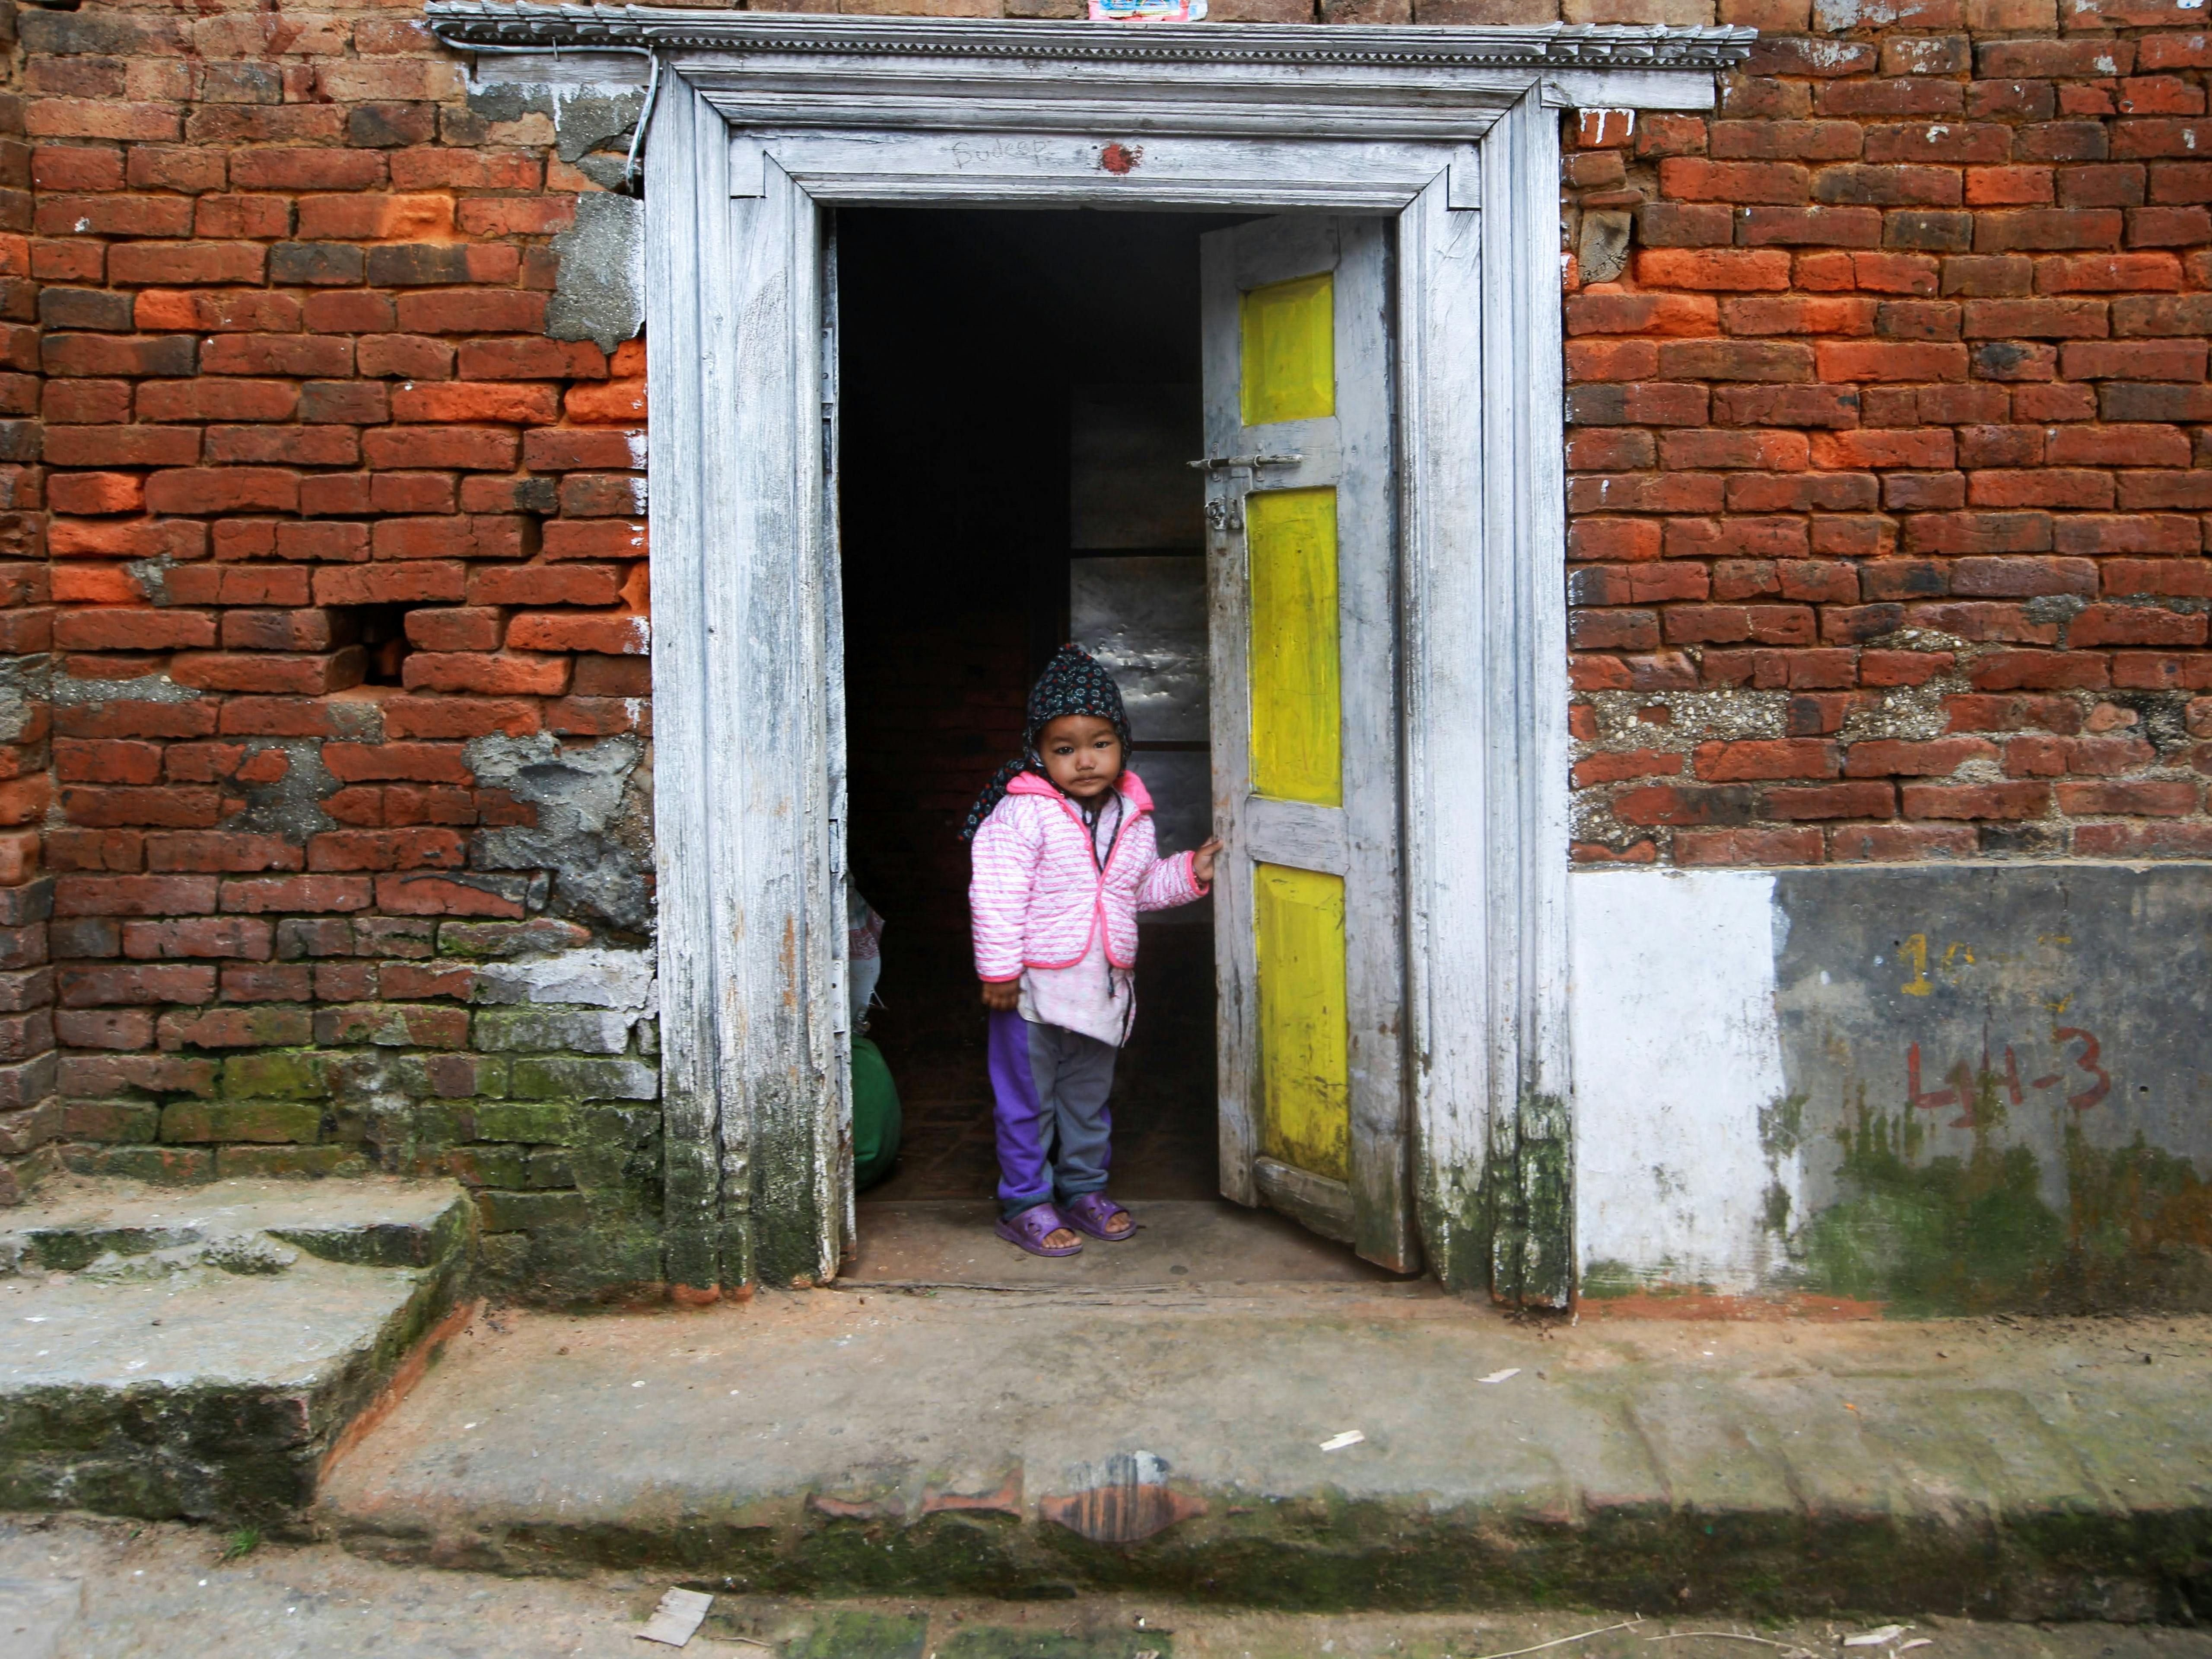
(1019, 400)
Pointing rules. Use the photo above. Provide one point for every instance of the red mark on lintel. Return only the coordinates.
(1119, 159)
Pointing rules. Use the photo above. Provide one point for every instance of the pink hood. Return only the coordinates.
(1129, 785)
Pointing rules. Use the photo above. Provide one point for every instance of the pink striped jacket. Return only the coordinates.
(1037, 896)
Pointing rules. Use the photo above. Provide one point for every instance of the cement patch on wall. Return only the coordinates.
(1938, 1088)
(1677, 1065)
(599, 295)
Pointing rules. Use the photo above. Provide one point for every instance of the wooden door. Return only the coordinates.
(1302, 541)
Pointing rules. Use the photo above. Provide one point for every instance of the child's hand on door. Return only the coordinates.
(1201, 862)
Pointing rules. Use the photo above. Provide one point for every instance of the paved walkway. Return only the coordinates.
(74, 1590)
(1039, 1444)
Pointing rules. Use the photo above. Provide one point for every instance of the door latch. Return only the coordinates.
(1225, 512)
(1243, 463)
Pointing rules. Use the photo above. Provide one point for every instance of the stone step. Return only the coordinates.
(1035, 1445)
(199, 1353)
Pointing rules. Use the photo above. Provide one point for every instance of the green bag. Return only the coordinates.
(876, 1117)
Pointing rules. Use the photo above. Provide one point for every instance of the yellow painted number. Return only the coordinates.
(1916, 952)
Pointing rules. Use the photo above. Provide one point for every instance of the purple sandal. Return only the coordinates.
(1094, 1213)
(1032, 1228)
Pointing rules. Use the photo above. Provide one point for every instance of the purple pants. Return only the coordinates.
(1051, 1086)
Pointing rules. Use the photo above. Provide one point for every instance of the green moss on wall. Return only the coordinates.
(1953, 1235)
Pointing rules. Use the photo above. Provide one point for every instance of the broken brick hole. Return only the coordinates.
(381, 630)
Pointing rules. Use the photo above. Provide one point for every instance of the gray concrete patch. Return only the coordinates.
(69, 689)
(25, 682)
(586, 117)
(594, 822)
(598, 294)
(587, 978)
(1999, 1083)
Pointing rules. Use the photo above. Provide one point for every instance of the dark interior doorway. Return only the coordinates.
(1018, 392)
(1019, 400)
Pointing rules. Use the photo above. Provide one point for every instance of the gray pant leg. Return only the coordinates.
(1074, 1077)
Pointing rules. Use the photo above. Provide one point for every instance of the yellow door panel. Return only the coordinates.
(1298, 919)
(1289, 370)
(1297, 699)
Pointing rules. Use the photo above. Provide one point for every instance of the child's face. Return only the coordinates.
(1082, 755)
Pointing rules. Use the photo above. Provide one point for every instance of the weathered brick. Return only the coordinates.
(1976, 801)
(82, 986)
(1749, 846)
(561, 1078)
(241, 1120)
(1900, 843)
(210, 936)
(312, 893)
(584, 1031)
(402, 1025)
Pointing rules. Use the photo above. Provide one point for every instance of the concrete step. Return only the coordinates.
(199, 1353)
(1043, 1444)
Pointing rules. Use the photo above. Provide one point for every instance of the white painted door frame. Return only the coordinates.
(766, 120)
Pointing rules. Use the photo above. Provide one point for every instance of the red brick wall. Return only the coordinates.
(323, 504)
(1888, 537)
(1890, 455)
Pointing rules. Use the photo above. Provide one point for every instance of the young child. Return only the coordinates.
(1065, 857)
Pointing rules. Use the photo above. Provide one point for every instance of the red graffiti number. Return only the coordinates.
(2087, 1059)
(1960, 1094)
(1922, 1100)
(1967, 1084)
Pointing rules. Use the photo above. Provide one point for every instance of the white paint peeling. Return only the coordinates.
(1837, 15)
(636, 440)
(1677, 1053)
(1601, 127)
